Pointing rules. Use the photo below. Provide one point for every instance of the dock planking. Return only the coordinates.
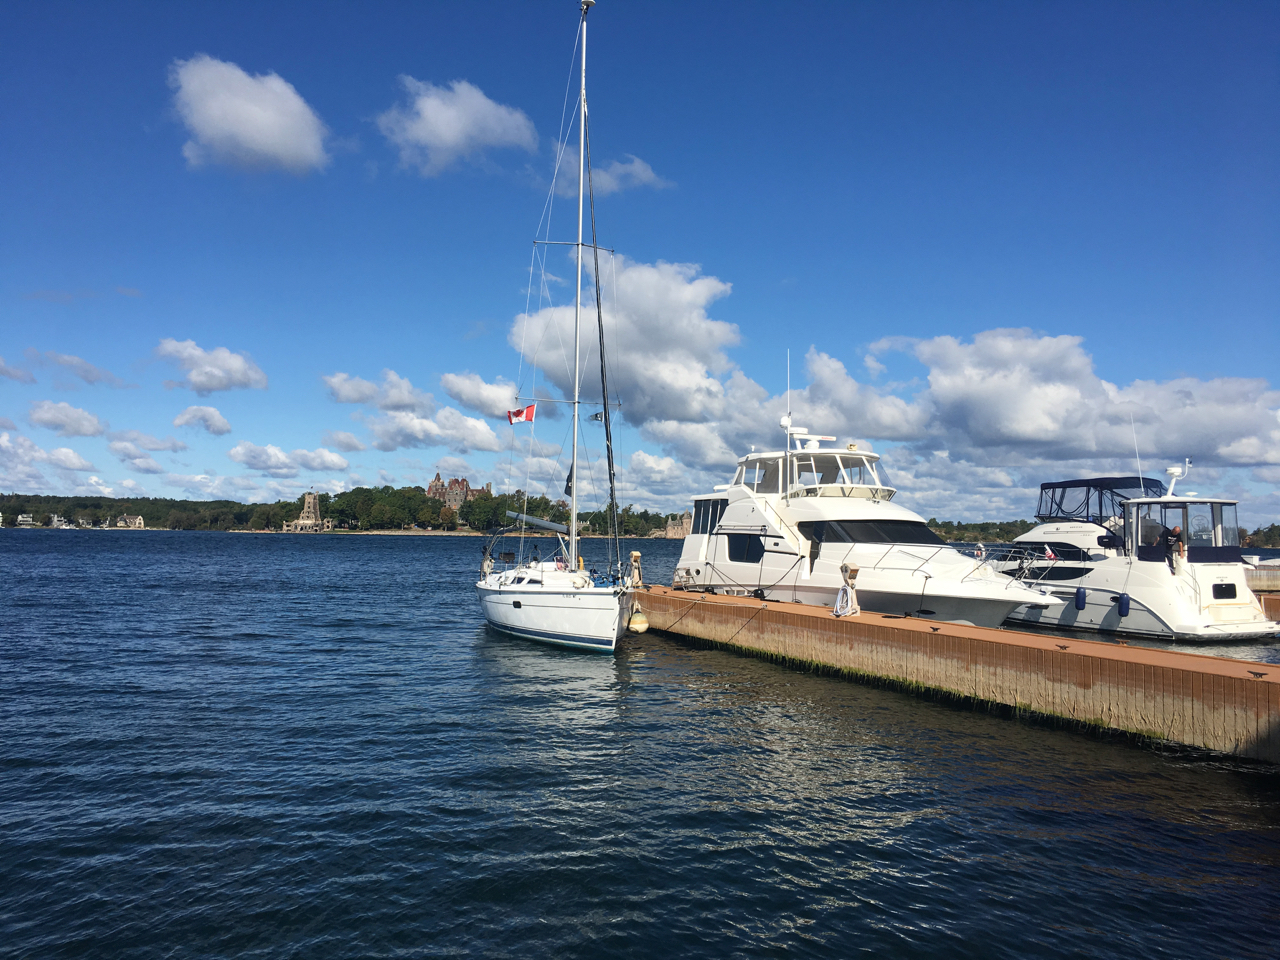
(1198, 700)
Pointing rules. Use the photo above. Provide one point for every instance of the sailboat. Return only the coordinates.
(556, 600)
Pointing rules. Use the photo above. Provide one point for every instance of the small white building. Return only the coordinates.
(26, 520)
(128, 522)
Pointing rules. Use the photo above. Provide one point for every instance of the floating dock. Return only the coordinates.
(1213, 703)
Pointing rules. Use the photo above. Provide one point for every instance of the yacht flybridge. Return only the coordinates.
(1127, 557)
(791, 519)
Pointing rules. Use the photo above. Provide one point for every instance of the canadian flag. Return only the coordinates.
(523, 415)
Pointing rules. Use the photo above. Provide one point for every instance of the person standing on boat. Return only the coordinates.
(1174, 546)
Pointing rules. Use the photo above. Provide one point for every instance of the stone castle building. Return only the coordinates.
(456, 492)
(309, 520)
(676, 529)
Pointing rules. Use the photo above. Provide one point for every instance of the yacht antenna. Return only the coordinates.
(1137, 456)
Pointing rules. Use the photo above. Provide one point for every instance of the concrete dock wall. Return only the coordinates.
(1230, 706)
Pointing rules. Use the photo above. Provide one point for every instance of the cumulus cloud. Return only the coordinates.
(271, 461)
(609, 178)
(64, 458)
(245, 121)
(319, 459)
(146, 441)
(211, 370)
(438, 126)
(471, 390)
(408, 417)
(204, 486)
(20, 461)
(452, 467)
(83, 369)
(664, 350)
(15, 373)
(66, 420)
(996, 414)
(448, 428)
(207, 417)
(394, 393)
(342, 440)
(133, 457)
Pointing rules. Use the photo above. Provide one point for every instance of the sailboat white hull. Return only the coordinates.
(555, 609)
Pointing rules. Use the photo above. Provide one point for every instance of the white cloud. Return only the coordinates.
(205, 486)
(64, 458)
(344, 441)
(83, 369)
(133, 457)
(207, 417)
(146, 441)
(470, 390)
(269, 460)
(449, 428)
(210, 370)
(995, 415)
(273, 462)
(15, 373)
(319, 459)
(608, 178)
(664, 351)
(245, 121)
(67, 420)
(440, 125)
(7, 424)
(449, 467)
(395, 393)
(20, 461)
(409, 417)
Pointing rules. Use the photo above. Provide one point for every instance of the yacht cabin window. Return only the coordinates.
(706, 514)
(870, 531)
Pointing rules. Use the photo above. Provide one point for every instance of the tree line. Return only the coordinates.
(364, 508)
(389, 508)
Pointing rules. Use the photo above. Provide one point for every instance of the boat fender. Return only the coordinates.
(1124, 605)
(1080, 598)
(639, 623)
(579, 561)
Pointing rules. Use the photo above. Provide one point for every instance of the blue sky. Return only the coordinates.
(997, 238)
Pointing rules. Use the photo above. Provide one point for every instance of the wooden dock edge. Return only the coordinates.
(1195, 700)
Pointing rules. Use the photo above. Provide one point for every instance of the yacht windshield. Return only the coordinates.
(836, 475)
(762, 476)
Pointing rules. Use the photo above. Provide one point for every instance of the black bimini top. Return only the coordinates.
(1095, 499)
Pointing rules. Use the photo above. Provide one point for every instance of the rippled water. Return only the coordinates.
(232, 745)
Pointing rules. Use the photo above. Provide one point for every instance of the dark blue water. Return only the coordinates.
(218, 745)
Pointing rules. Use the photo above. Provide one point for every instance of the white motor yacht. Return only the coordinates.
(1106, 547)
(792, 518)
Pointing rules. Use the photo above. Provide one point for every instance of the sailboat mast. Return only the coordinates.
(577, 302)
